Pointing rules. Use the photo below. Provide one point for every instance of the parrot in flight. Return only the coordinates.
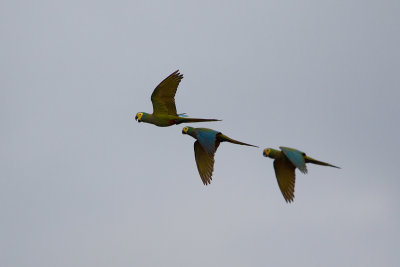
(164, 109)
(285, 163)
(207, 142)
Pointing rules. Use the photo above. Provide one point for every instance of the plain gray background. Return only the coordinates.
(83, 184)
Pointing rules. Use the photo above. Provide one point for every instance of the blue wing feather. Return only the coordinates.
(296, 157)
(207, 140)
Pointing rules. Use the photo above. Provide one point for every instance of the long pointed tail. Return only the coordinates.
(311, 160)
(223, 138)
(182, 120)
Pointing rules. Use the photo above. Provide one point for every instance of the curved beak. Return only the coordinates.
(136, 117)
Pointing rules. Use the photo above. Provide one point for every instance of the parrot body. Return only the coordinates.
(164, 109)
(164, 120)
(205, 147)
(285, 163)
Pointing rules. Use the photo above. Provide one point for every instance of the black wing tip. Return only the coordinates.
(289, 200)
(303, 171)
(176, 73)
(206, 181)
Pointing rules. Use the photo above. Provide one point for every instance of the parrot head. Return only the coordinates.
(270, 152)
(140, 116)
(266, 152)
(187, 130)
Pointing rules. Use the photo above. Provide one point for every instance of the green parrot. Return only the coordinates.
(285, 163)
(205, 147)
(164, 109)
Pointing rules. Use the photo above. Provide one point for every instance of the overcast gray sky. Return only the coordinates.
(83, 184)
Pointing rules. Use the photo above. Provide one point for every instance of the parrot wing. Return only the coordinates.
(286, 177)
(204, 162)
(296, 157)
(163, 96)
(208, 139)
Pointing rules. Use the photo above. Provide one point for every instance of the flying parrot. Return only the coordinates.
(164, 109)
(285, 163)
(205, 147)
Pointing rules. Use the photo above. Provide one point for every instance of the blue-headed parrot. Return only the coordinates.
(164, 109)
(285, 163)
(207, 142)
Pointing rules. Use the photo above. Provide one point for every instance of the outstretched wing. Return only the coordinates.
(296, 157)
(163, 97)
(286, 177)
(204, 162)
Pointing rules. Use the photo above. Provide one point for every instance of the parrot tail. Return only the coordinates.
(183, 119)
(311, 160)
(223, 138)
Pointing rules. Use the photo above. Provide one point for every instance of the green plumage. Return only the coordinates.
(285, 163)
(207, 142)
(286, 160)
(164, 108)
